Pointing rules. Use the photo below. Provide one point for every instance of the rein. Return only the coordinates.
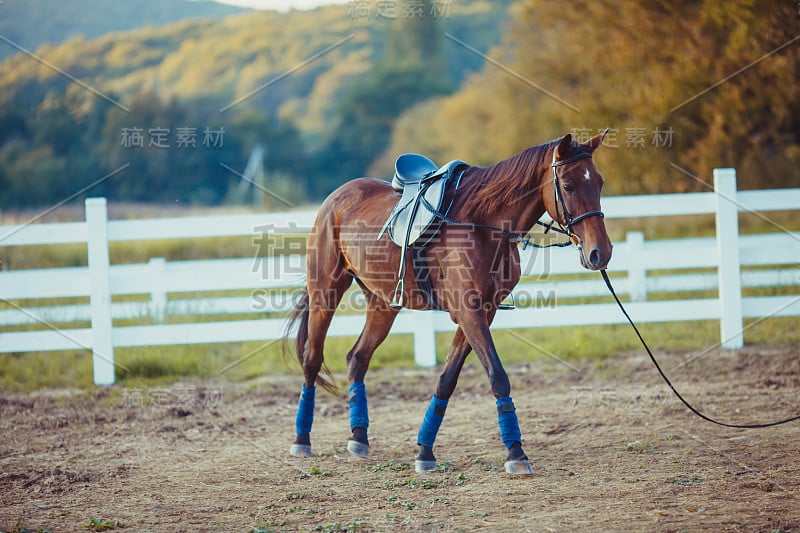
(569, 222)
(669, 383)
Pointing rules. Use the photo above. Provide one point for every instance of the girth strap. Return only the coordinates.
(423, 275)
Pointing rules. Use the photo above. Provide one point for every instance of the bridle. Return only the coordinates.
(560, 207)
(558, 198)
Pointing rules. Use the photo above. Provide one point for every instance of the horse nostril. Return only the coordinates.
(594, 257)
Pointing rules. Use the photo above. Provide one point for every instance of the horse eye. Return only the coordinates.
(568, 187)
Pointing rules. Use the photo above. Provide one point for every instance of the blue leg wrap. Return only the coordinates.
(509, 425)
(359, 415)
(432, 421)
(305, 411)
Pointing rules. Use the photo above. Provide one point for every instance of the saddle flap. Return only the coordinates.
(415, 217)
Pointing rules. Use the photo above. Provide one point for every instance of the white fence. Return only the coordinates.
(776, 255)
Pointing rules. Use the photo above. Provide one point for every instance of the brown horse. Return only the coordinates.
(473, 266)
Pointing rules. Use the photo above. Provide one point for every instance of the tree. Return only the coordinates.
(412, 71)
(683, 84)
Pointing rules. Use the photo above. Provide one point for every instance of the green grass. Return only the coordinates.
(240, 362)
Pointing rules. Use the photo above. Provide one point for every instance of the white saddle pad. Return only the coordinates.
(422, 219)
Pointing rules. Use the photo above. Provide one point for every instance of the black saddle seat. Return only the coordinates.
(411, 168)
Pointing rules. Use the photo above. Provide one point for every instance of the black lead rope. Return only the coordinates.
(666, 379)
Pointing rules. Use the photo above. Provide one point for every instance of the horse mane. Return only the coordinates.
(490, 188)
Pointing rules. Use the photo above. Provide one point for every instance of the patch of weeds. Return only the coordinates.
(431, 483)
(261, 529)
(433, 501)
(639, 447)
(487, 466)
(398, 501)
(299, 495)
(314, 472)
(298, 508)
(393, 466)
(98, 524)
(444, 467)
(423, 483)
(341, 528)
(633, 480)
(683, 481)
(19, 527)
(481, 514)
(410, 482)
(427, 483)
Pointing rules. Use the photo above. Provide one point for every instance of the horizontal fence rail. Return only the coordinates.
(130, 305)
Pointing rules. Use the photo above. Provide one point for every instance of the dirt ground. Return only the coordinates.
(612, 448)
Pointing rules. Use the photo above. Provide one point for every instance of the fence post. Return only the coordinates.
(637, 276)
(729, 272)
(158, 295)
(424, 339)
(100, 292)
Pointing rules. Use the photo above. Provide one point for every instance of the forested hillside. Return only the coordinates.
(171, 114)
(151, 101)
(32, 23)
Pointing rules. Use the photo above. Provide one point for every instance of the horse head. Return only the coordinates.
(572, 199)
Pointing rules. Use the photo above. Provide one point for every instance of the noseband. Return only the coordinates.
(569, 220)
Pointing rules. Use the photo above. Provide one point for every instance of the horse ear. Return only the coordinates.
(595, 142)
(564, 147)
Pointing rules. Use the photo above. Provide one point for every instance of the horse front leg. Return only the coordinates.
(459, 349)
(476, 330)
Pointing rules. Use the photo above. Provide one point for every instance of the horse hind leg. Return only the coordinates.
(378, 323)
(321, 304)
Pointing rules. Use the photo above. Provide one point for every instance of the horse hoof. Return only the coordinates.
(300, 450)
(424, 466)
(521, 468)
(359, 449)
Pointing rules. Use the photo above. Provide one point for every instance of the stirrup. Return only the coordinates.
(505, 305)
(397, 299)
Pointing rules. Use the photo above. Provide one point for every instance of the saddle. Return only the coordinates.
(417, 215)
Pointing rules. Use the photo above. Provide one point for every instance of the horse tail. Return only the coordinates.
(299, 318)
